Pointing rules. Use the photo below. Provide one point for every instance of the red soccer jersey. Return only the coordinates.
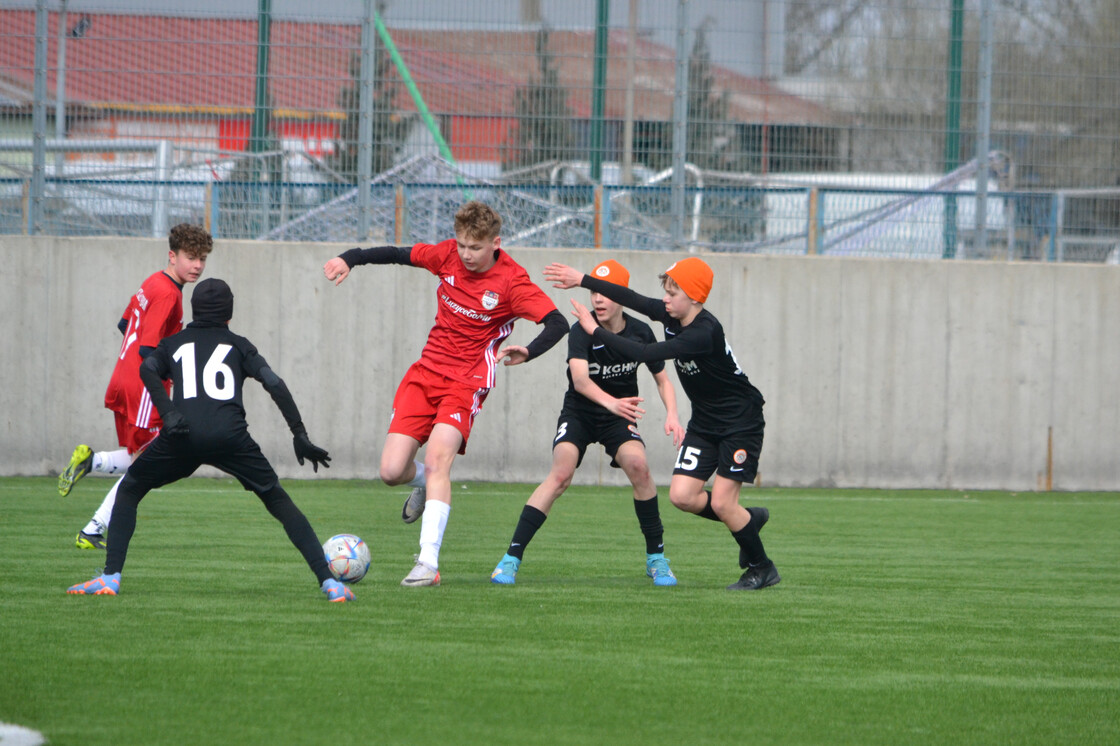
(475, 312)
(155, 312)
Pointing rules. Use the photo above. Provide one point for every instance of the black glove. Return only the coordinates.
(175, 424)
(305, 449)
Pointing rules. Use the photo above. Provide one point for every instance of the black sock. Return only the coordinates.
(527, 526)
(749, 541)
(298, 528)
(123, 521)
(707, 511)
(649, 519)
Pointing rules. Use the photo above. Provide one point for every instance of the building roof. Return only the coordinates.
(160, 64)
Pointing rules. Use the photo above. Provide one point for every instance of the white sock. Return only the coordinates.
(421, 478)
(432, 526)
(100, 520)
(112, 462)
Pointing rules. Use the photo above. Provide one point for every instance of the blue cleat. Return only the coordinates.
(657, 567)
(506, 571)
(102, 585)
(336, 591)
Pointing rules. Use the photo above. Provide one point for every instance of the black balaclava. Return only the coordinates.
(212, 300)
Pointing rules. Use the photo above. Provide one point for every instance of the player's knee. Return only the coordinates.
(724, 508)
(438, 463)
(686, 499)
(638, 471)
(560, 480)
(391, 476)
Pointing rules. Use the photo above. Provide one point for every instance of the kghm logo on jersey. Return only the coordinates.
(740, 456)
(610, 371)
(489, 300)
(687, 367)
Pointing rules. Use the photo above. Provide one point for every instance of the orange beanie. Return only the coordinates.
(693, 276)
(612, 271)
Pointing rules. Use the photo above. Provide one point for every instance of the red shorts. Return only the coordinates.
(425, 398)
(131, 437)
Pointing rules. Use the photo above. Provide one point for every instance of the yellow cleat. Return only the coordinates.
(90, 541)
(81, 461)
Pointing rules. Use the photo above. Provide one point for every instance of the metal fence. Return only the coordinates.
(982, 129)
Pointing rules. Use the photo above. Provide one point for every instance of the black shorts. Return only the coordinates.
(582, 428)
(733, 455)
(171, 458)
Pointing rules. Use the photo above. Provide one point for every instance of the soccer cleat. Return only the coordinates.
(81, 461)
(506, 571)
(757, 578)
(336, 591)
(759, 516)
(102, 585)
(414, 505)
(421, 575)
(657, 567)
(90, 541)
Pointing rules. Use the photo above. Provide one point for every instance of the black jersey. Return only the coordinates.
(607, 368)
(208, 365)
(722, 397)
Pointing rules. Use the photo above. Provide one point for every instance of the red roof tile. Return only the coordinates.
(208, 65)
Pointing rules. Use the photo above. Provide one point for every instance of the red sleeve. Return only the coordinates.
(163, 316)
(430, 256)
(529, 301)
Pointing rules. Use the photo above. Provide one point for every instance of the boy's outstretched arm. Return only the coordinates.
(563, 276)
(338, 268)
(689, 342)
(555, 327)
(278, 390)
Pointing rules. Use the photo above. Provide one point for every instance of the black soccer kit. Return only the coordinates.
(581, 420)
(725, 432)
(208, 365)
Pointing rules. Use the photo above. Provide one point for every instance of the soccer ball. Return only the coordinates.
(347, 556)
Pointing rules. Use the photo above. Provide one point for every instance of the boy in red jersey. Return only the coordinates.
(481, 292)
(154, 312)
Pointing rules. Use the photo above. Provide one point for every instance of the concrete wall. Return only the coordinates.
(878, 373)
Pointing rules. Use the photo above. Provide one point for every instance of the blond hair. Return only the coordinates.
(477, 221)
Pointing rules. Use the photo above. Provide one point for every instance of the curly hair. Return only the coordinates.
(478, 221)
(191, 239)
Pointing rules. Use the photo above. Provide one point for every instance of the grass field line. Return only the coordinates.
(778, 494)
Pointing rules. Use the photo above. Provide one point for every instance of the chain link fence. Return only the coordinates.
(979, 129)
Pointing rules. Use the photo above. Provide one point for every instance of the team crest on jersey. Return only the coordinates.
(489, 300)
(740, 456)
(632, 428)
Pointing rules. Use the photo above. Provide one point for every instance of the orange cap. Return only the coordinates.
(612, 271)
(693, 276)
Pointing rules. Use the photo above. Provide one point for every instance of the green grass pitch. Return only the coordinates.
(930, 617)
